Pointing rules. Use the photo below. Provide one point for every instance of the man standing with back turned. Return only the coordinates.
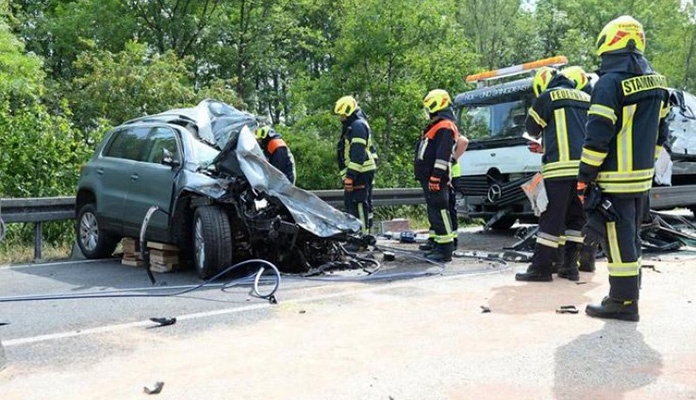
(558, 115)
(626, 121)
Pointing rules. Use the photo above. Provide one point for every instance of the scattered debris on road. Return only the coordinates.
(567, 310)
(164, 321)
(485, 309)
(158, 388)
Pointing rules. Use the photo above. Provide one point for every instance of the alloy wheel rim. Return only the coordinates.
(199, 244)
(89, 231)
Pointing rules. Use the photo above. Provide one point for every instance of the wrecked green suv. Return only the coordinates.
(213, 193)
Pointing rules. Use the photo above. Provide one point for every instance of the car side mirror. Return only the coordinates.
(168, 159)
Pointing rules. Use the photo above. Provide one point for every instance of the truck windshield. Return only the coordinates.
(494, 121)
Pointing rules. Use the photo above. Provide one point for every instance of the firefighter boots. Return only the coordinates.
(428, 246)
(442, 252)
(540, 268)
(625, 310)
(587, 258)
(560, 256)
(569, 267)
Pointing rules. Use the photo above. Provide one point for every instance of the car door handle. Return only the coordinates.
(100, 171)
(134, 177)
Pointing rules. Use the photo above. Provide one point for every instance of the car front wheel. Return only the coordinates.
(93, 241)
(212, 241)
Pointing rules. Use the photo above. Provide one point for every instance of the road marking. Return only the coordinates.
(252, 307)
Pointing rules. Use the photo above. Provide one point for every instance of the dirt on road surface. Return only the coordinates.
(426, 338)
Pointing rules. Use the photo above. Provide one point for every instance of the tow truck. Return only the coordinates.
(497, 162)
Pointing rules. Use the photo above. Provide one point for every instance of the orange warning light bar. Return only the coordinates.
(517, 69)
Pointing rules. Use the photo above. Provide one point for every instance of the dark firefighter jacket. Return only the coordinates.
(560, 114)
(356, 152)
(278, 154)
(625, 124)
(434, 149)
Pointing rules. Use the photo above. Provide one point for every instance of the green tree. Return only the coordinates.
(133, 83)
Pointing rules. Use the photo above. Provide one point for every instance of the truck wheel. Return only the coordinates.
(503, 223)
(212, 241)
(94, 242)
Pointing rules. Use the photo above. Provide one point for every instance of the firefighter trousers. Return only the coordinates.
(623, 246)
(439, 215)
(561, 222)
(358, 202)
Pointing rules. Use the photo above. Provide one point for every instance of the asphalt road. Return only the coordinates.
(420, 338)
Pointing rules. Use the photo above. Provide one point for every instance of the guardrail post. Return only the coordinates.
(38, 238)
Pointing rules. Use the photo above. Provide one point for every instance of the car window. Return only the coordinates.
(128, 143)
(160, 139)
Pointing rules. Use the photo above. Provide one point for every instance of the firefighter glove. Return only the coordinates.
(535, 147)
(581, 187)
(348, 184)
(592, 196)
(434, 184)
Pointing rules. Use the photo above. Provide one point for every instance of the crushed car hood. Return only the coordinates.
(309, 211)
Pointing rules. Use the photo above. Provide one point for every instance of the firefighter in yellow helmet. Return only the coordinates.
(558, 116)
(578, 75)
(276, 151)
(626, 122)
(432, 170)
(357, 158)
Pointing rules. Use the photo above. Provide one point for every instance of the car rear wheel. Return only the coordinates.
(212, 241)
(93, 241)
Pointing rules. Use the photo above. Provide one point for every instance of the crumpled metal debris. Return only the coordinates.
(661, 232)
(155, 390)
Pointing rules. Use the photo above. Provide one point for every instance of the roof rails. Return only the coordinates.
(519, 69)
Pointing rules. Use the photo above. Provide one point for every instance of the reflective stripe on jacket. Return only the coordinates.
(560, 115)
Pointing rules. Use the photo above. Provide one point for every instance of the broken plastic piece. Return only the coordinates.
(567, 310)
(158, 388)
(164, 321)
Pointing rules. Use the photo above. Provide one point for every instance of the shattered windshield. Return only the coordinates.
(203, 154)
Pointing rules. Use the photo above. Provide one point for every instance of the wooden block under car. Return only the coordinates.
(163, 257)
(162, 246)
(163, 268)
(130, 245)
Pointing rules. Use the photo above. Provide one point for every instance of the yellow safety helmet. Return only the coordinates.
(262, 132)
(436, 100)
(577, 75)
(345, 106)
(542, 78)
(623, 33)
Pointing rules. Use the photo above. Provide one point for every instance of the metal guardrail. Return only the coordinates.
(45, 209)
